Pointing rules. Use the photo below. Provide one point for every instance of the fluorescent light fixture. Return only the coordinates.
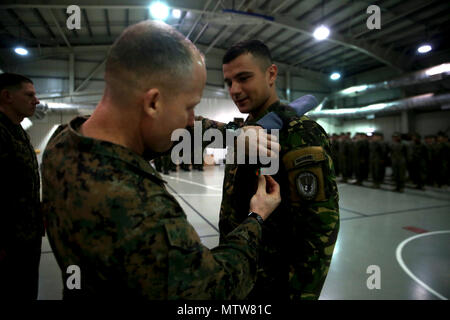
(335, 76)
(355, 89)
(321, 32)
(21, 51)
(424, 48)
(26, 123)
(176, 13)
(442, 68)
(159, 10)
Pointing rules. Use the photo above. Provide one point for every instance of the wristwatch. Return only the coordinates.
(256, 216)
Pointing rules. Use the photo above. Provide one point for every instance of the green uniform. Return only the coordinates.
(377, 161)
(298, 240)
(335, 155)
(398, 152)
(443, 155)
(361, 160)
(21, 227)
(418, 164)
(108, 212)
(345, 159)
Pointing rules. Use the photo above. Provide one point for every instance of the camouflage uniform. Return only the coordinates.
(108, 211)
(418, 163)
(399, 155)
(443, 155)
(361, 160)
(345, 159)
(377, 161)
(21, 228)
(297, 241)
(335, 154)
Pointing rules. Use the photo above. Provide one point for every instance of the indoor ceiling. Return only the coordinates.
(286, 27)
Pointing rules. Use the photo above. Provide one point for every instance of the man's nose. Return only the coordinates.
(235, 89)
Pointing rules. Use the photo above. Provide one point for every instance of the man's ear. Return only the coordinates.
(152, 102)
(5, 96)
(273, 73)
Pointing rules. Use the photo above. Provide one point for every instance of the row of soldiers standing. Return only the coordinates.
(423, 163)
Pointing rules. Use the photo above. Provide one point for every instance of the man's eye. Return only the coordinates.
(242, 79)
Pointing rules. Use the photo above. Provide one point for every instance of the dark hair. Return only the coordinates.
(12, 80)
(255, 47)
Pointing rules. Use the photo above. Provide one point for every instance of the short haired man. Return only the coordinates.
(107, 209)
(298, 242)
(21, 226)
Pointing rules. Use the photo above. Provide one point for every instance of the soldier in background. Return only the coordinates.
(108, 211)
(418, 164)
(21, 226)
(398, 153)
(443, 154)
(345, 156)
(361, 157)
(377, 159)
(431, 160)
(335, 153)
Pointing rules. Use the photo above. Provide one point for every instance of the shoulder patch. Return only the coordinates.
(305, 175)
(307, 185)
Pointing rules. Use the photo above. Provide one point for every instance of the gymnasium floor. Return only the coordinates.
(395, 243)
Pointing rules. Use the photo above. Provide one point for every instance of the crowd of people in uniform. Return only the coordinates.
(421, 162)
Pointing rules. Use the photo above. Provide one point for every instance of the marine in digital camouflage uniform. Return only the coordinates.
(21, 226)
(108, 211)
(297, 242)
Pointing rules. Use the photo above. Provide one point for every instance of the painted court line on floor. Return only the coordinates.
(398, 255)
(195, 210)
(390, 212)
(194, 183)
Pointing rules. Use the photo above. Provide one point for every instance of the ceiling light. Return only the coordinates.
(335, 76)
(21, 51)
(321, 33)
(159, 10)
(443, 68)
(424, 48)
(176, 13)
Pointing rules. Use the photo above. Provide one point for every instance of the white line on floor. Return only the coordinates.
(398, 254)
(194, 183)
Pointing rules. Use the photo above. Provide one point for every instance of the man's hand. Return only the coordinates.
(256, 138)
(267, 197)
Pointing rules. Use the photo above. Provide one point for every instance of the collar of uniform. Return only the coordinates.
(273, 106)
(8, 123)
(109, 149)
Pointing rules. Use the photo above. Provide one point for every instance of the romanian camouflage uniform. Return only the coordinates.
(298, 240)
(108, 212)
(21, 227)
